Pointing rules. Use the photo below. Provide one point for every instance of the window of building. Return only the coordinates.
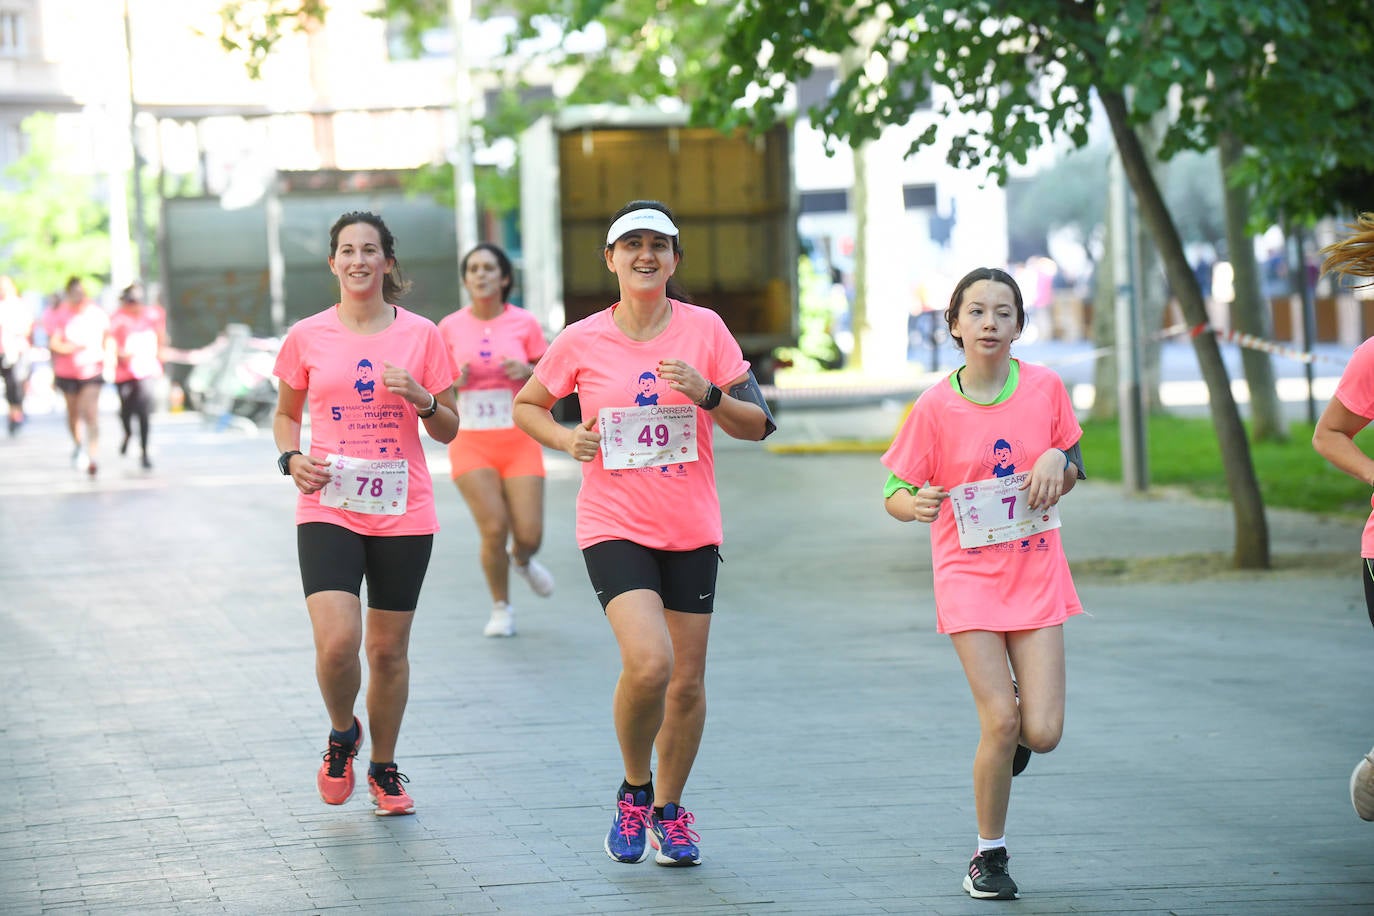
(12, 33)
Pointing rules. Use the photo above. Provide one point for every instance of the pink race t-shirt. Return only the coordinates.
(948, 440)
(86, 328)
(352, 413)
(137, 333)
(1356, 391)
(481, 345)
(669, 507)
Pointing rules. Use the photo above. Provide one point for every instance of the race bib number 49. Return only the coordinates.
(368, 485)
(645, 437)
(993, 511)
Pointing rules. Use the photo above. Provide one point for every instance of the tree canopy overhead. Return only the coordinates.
(1276, 73)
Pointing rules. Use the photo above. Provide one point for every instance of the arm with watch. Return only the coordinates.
(741, 413)
(305, 472)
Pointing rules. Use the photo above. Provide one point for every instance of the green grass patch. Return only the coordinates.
(1183, 452)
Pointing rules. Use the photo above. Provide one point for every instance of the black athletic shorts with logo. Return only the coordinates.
(684, 579)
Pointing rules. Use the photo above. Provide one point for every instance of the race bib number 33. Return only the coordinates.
(996, 510)
(488, 408)
(368, 485)
(645, 437)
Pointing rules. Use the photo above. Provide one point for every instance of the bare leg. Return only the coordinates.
(684, 719)
(525, 502)
(984, 657)
(482, 490)
(88, 410)
(337, 622)
(388, 685)
(1037, 657)
(646, 665)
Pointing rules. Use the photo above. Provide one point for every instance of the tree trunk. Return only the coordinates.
(1105, 401)
(1251, 527)
(1249, 311)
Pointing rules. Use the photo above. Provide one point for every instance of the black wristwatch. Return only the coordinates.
(284, 462)
(710, 400)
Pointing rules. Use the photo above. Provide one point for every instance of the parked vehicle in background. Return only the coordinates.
(733, 196)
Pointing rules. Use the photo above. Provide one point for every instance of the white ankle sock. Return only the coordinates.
(985, 845)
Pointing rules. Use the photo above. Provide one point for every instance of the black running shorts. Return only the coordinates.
(684, 579)
(333, 558)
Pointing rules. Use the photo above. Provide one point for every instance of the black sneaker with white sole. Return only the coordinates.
(987, 877)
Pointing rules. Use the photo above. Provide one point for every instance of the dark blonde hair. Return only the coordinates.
(1353, 256)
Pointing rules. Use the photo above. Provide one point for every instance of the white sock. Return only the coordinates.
(985, 845)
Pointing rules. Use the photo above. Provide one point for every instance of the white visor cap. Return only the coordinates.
(635, 220)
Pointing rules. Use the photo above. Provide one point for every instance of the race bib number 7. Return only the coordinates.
(368, 485)
(645, 437)
(994, 511)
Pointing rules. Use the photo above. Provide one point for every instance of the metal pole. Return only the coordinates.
(1134, 469)
(140, 223)
(276, 262)
(1309, 317)
(464, 186)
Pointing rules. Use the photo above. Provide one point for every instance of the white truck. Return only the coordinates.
(733, 197)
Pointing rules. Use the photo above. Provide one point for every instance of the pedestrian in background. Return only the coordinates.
(139, 332)
(1002, 602)
(16, 339)
(78, 332)
(1350, 411)
(366, 503)
(646, 372)
(498, 469)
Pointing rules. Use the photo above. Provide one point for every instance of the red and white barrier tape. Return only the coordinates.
(1251, 342)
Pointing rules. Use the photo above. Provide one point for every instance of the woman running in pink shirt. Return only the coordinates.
(372, 373)
(78, 331)
(1350, 411)
(498, 469)
(654, 375)
(139, 332)
(1002, 583)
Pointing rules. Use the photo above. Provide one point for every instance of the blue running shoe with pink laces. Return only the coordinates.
(674, 838)
(627, 840)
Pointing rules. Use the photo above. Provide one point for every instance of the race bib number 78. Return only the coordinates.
(370, 486)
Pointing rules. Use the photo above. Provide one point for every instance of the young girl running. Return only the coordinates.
(1004, 594)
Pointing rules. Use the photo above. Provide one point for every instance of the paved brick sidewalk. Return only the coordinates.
(162, 725)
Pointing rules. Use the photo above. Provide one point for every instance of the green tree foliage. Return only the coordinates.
(251, 28)
(54, 225)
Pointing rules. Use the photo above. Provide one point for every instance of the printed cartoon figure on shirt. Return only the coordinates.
(647, 392)
(1002, 458)
(365, 385)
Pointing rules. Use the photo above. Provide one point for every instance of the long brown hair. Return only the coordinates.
(1353, 256)
(394, 286)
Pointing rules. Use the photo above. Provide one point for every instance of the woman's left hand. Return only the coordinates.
(1045, 484)
(682, 377)
(516, 369)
